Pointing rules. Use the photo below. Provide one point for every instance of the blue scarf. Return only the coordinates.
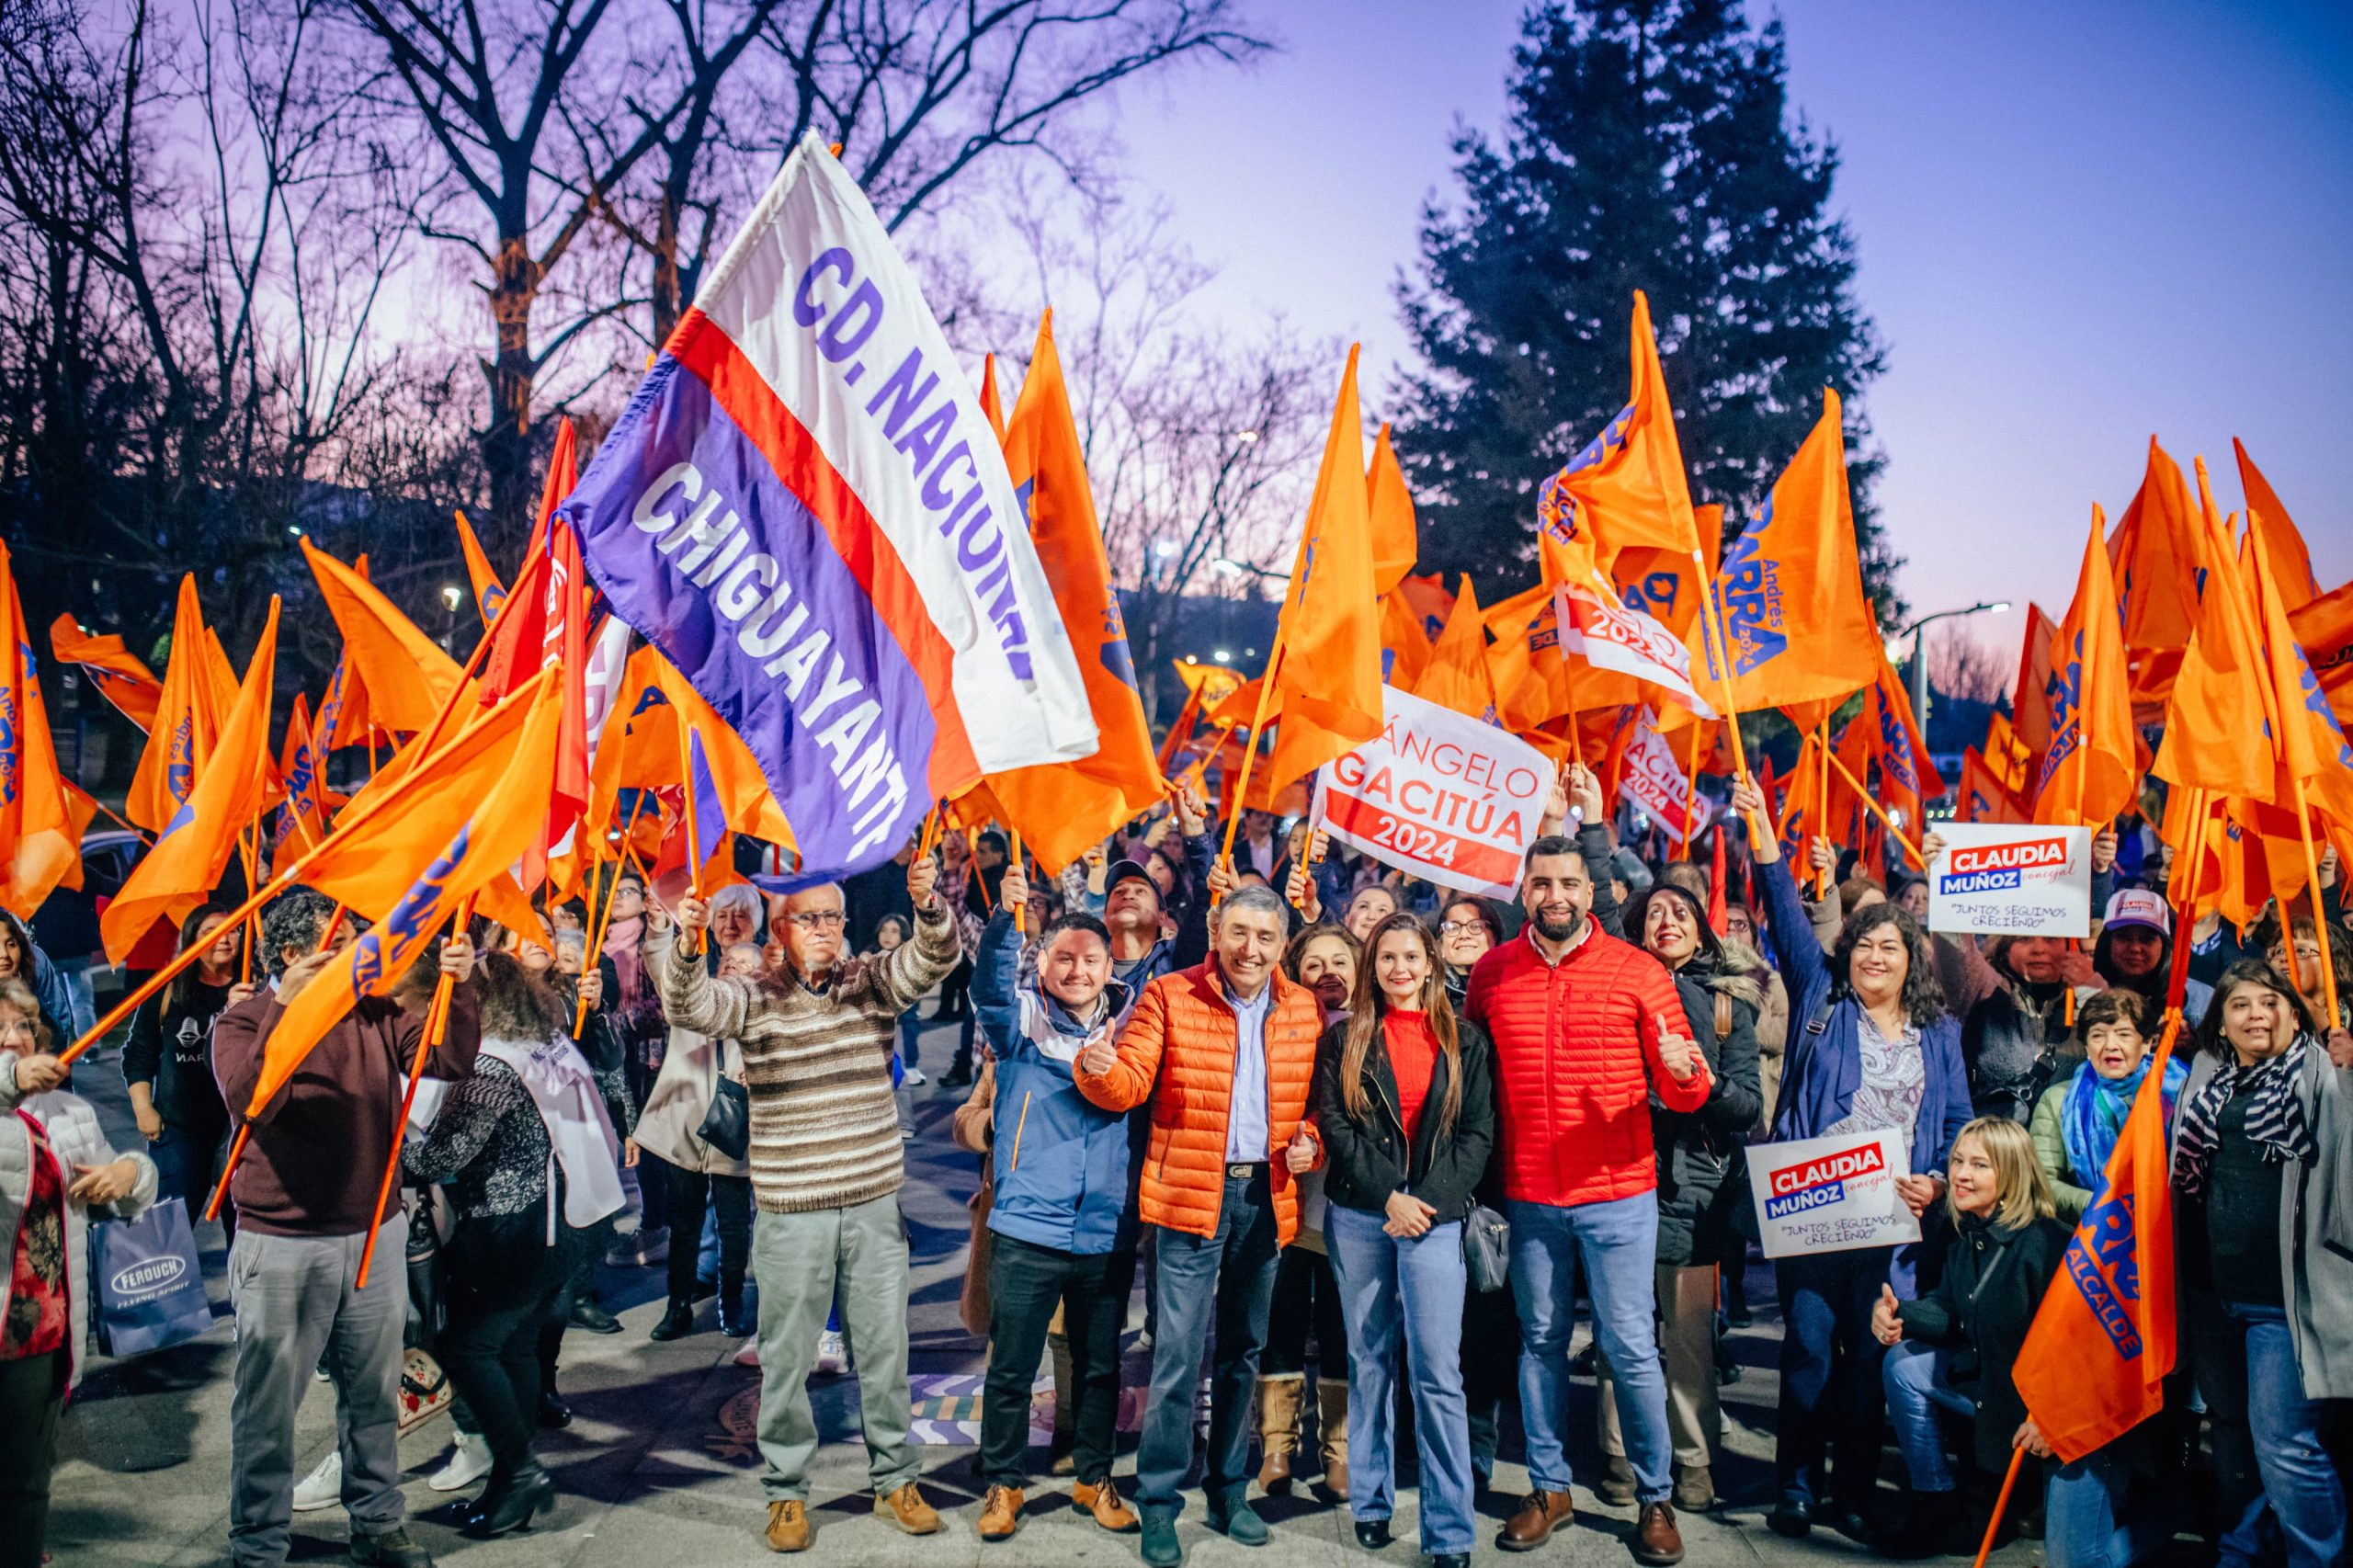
(2093, 1116)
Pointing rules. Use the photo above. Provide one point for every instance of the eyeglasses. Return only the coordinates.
(1456, 927)
(818, 919)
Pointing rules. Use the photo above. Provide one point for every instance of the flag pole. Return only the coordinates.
(1240, 788)
(437, 1025)
(1822, 801)
(1013, 859)
(694, 834)
(1719, 650)
(595, 948)
(1881, 811)
(2320, 922)
(2001, 1505)
(1691, 787)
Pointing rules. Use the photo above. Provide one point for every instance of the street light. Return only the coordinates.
(1919, 655)
(1233, 568)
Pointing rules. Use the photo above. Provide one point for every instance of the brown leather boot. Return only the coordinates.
(1332, 1436)
(1538, 1518)
(1102, 1500)
(1656, 1541)
(788, 1527)
(1278, 1402)
(1000, 1513)
(906, 1509)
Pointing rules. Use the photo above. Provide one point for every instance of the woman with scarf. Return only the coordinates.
(528, 1149)
(2262, 1162)
(1700, 1204)
(2293, 947)
(1324, 958)
(2021, 1040)
(2078, 1120)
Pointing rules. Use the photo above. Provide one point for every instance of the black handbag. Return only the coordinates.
(1486, 1248)
(727, 1125)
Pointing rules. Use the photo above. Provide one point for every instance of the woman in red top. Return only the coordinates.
(1403, 1103)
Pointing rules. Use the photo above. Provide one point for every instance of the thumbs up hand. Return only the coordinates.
(1098, 1058)
(1301, 1155)
(1680, 1055)
(1886, 1326)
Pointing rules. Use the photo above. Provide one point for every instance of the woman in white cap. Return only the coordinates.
(2135, 952)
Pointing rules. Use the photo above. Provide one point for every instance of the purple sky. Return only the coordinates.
(2079, 224)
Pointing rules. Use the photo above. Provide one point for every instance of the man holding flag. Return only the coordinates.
(306, 1198)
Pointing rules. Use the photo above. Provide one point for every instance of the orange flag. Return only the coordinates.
(194, 846)
(1404, 646)
(1983, 797)
(2314, 762)
(2031, 707)
(2154, 555)
(1791, 590)
(992, 402)
(1327, 685)
(1665, 584)
(1206, 687)
(1803, 812)
(2006, 754)
(1628, 487)
(180, 738)
(2324, 629)
(1060, 809)
(1458, 675)
(488, 592)
(456, 822)
(41, 823)
(406, 675)
(120, 675)
(2094, 1364)
(2284, 554)
(1891, 739)
(2217, 709)
(1396, 542)
(2088, 773)
(304, 816)
(1430, 601)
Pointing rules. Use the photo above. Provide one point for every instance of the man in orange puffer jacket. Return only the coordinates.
(1224, 1051)
(1589, 1034)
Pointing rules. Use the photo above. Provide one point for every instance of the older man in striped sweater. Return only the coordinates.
(817, 1033)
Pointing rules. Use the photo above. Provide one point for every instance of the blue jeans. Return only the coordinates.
(1918, 1385)
(2087, 1522)
(1615, 1246)
(1393, 1290)
(2245, 1361)
(1831, 1399)
(187, 1164)
(1226, 1279)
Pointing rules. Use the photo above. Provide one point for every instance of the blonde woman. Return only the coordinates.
(1954, 1347)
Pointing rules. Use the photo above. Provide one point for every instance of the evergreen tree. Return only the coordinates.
(1648, 145)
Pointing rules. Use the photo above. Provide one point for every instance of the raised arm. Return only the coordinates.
(909, 970)
(996, 967)
(692, 998)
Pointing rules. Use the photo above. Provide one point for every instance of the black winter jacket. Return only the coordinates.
(1366, 1161)
(2015, 1045)
(1993, 1280)
(1701, 1151)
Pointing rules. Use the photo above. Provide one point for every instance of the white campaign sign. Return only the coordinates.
(1439, 794)
(1830, 1194)
(2013, 879)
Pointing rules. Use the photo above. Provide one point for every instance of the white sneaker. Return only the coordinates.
(913, 1078)
(469, 1463)
(833, 1355)
(323, 1488)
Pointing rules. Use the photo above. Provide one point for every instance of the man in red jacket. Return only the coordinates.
(1587, 1032)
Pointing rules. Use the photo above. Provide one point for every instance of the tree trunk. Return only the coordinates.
(668, 306)
(506, 440)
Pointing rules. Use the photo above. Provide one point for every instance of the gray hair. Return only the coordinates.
(735, 894)
(571, 942)
(1258, 899)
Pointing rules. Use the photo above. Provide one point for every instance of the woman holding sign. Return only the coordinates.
(1871, 1046)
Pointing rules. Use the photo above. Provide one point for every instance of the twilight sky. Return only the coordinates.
(2079, 224)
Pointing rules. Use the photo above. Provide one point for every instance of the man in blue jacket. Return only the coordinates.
(1062, 1225)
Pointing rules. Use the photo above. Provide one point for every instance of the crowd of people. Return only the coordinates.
(1367, 1144)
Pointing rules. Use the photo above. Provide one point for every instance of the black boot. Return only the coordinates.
(509, 1501)
(553, 1410)
(733, 1320)
(677, 1323)
(588, 1314)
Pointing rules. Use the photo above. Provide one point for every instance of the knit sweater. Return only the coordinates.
(817, 1063)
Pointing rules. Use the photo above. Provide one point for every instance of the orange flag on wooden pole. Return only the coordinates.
(407, 675)
(2088, 773)
(120, 675)
(194, 846)
(2154, 555)
(1389, 506)
(1324, 670)
(2285, 556)
(1627, 487)
(2217, 713)
(41, 821)
(489, 592)
(2031, 706)
(1060, 809)
(180, 738)
(1459, 676)
(2324, 629)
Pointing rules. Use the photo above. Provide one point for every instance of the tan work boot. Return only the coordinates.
(788, 1527)
(1000, 1513)
(906, 1509)
(1278, 1404)
(1332, 1436)
(1102, 1500)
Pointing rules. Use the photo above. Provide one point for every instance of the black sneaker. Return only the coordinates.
(590, 1318)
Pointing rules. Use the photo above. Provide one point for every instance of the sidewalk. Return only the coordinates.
(658, 1466)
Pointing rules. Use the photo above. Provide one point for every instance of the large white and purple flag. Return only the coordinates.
(806, 509)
